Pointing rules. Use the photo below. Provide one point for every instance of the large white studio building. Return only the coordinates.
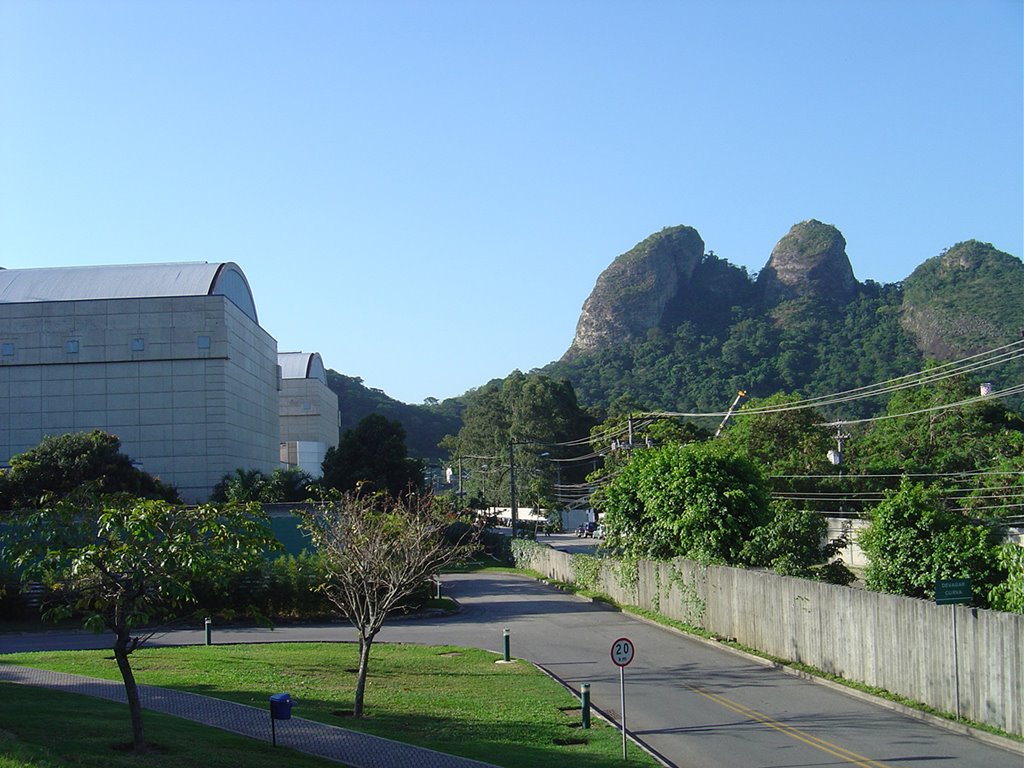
(309, 411)
(170, 358)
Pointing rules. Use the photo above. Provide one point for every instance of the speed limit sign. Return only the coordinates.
(622, 654)
(622, 651)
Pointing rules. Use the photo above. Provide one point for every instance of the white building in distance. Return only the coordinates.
(309, 412)
(170, 358)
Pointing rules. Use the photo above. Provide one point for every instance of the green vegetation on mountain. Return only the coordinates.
(696, 369)
(962, 300)
(804, 326)
(424, 425)
(670, 329)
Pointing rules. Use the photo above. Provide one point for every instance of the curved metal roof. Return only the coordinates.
(301, 365)
(128, 281)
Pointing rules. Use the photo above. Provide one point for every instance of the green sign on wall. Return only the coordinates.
(949, 591)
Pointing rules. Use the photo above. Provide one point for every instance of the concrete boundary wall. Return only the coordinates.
(897, 643)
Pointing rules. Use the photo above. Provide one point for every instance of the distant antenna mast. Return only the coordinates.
(739, 396)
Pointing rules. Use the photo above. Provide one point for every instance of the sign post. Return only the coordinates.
(622, 654)
(950, 592)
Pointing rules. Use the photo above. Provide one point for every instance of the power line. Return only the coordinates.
(963, 473)
(1004, 354)
(1014, 390)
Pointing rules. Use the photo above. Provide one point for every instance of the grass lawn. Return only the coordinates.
(454, 700)
(51, 729)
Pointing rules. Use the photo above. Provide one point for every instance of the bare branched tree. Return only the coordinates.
(377, 551)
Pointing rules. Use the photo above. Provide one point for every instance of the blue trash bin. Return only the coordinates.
(281, 706)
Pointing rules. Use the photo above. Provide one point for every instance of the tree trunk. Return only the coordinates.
(364, 664)
(131, 689)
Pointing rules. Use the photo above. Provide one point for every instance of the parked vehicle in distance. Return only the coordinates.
(586, 530)
(599, 532)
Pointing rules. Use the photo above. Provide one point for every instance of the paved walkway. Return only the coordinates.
(358, 750)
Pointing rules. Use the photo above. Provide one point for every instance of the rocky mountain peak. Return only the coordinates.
(966, 257)
(809, 262)
(632, 294)
(964, 300)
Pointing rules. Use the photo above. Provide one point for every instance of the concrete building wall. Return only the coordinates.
(309, 419)
(305, 455)
(851, 527)
(188, 383)
(309, 411)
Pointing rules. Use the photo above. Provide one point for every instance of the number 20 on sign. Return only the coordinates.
(622, 654)
(622, 651)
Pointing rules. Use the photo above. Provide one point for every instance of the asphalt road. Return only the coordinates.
(692, 703)
(570, 542)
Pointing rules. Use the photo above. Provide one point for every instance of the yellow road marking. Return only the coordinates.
(813, 741)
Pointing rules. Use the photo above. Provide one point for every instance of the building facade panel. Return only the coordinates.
(308, 412)
(187, 382)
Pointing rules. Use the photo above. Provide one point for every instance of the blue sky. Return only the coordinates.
(426, 192)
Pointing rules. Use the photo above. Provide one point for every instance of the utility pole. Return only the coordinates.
(512, 484)
(739, 395)
(836, 456)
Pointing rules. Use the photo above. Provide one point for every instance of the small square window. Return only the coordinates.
(138, 345)
(7, 349)
(71, 346)
(203, 342)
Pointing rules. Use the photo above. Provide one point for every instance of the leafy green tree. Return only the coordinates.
(373, 457)
(791, 445)
(524, 419)
(611, 438)
(122, 563)
(914, 539)
(284, 484)
(61, 465)
(793, 543)
(928, 439)
(700, 501)
(240, 487)
(784, 441)
(974, 450)
(998, 489)
(288, 484)
(377, 550)
(1008, 595)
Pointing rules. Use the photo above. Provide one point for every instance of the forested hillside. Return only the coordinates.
(920, 449)
(678, 331)
(425, 425)
(672, 326)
